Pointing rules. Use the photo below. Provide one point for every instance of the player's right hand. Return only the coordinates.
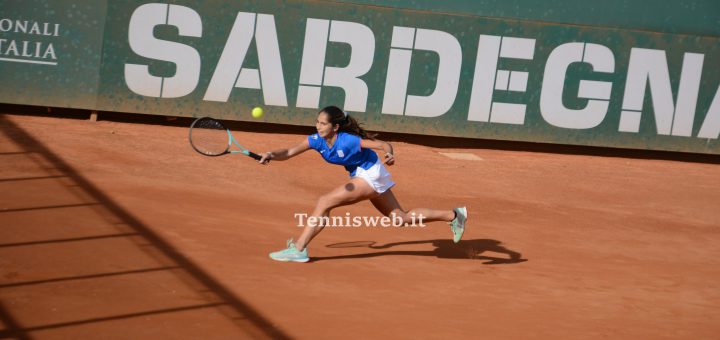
(265, 158)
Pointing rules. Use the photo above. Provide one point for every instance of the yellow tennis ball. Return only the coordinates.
(257, 112)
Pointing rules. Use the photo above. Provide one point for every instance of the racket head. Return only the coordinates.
(209, 137)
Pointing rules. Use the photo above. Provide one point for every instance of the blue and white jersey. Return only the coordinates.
(346, 151)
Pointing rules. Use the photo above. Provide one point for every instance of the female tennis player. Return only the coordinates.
(340, 140)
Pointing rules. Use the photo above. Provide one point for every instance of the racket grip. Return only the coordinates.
(254, 155)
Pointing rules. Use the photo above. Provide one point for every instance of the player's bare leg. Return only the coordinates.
(357, 189)
(388, 205)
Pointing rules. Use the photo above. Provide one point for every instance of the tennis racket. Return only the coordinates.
(210, 137)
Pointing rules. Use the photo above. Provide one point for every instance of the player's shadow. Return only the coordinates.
(489, 251)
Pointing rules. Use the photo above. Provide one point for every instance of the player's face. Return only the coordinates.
(324, 128)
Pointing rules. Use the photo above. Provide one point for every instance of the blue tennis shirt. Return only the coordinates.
(346, 151)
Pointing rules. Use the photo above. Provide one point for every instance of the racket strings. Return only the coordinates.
(209, 137)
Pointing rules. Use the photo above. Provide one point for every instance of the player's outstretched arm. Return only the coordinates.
(285, 154)
(377, 144)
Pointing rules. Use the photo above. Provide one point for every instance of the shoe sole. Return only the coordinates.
(291, 260)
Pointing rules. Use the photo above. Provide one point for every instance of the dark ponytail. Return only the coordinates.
(347, 123)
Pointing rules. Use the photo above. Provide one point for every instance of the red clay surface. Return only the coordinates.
(120, 231)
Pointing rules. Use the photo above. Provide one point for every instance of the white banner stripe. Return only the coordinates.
(29, 61)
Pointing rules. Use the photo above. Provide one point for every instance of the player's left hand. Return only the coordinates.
(389, 159)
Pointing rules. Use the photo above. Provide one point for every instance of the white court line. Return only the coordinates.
(461, 155)
(30, 61)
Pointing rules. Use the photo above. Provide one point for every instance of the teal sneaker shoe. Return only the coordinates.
(291, 254)
(458, 224)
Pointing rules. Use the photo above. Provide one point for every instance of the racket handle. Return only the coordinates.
(254, 155)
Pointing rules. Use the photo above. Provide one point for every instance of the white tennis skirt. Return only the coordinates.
(377, 176)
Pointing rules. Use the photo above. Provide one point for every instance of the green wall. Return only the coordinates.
(511, 70)
(695, 17)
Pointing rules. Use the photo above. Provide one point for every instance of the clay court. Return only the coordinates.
(119, 230)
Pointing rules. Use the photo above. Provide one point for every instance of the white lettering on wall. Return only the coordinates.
(229, 72)
(649, 68)
(404, 41)
(314, 74)
(488, 78)
(598, 92)
(142, 42)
